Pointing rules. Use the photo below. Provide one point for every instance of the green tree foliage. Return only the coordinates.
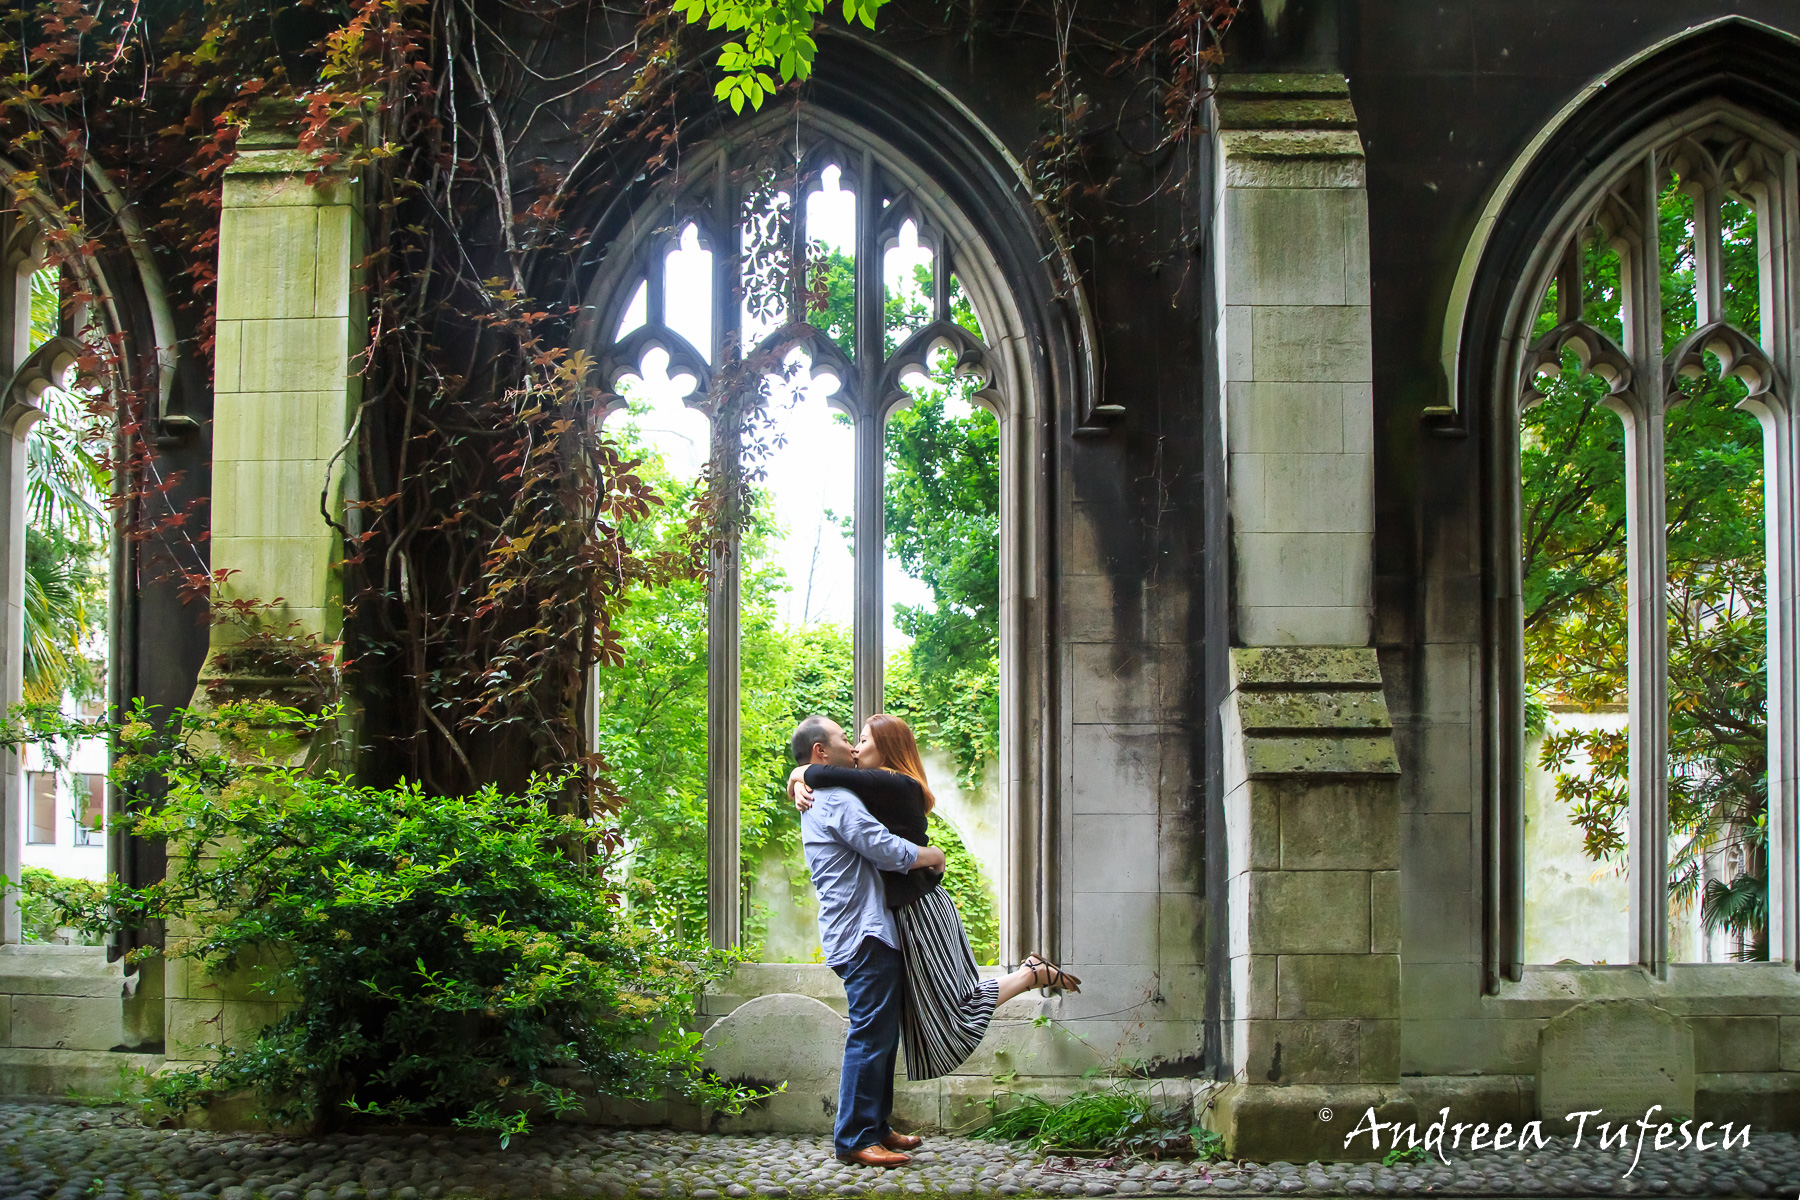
(65, 547)
(776, 37)
(1574, 565)
(653, 706)
(44, 898)
(943, 521)
(439, 958)
(942, 507)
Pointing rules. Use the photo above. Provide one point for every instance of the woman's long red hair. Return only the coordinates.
(900, 751)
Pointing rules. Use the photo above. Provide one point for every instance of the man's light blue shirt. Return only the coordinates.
(846, 851)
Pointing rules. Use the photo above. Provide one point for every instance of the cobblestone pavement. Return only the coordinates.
(50, 1152)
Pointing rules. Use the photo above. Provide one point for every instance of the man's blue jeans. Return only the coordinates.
(874, 982)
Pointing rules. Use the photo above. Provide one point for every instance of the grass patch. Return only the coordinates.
(1116, 1121)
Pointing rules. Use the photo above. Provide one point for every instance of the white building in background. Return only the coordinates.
(64, 813)
(1577, 910)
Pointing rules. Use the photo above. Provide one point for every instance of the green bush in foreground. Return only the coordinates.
(439, 958)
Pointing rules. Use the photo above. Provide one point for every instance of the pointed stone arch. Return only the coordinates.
(1709, 105)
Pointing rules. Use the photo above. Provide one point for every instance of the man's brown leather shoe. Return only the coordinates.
(902, 1141)
(876, 1155)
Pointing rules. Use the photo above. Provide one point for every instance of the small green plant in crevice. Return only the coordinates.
(435, 959)
(131, 1086)
(1116, 1120)
(1408, 1154)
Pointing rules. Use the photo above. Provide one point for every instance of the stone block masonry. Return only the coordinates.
(1294, 344)
(291, 324)
(289, 329)
(66, 1023)
(1313, 854)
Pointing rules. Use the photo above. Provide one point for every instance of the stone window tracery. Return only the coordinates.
(1656, 588)
(768, 316)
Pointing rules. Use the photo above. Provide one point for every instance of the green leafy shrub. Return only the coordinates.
(44, 896)
(970, 888)
(436, 959)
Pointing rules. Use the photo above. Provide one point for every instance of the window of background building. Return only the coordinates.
(40, 804)
(90, 809)
(67, 551)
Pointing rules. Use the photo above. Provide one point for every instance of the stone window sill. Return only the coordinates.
(1692, 989)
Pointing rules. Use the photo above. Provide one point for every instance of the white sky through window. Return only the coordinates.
(810, 475)
(687, 284)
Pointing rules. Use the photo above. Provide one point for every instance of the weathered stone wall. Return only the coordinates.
(1270, 476)
(1447, 97)
(72, 1022)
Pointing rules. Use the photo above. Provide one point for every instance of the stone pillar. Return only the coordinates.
(290, 321)
(16, 420)
(15, 424)
(290, 325)
(1312, 817)
(1292, 231)
(1311, 806)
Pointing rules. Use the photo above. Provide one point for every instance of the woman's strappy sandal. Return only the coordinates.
(1054, 976)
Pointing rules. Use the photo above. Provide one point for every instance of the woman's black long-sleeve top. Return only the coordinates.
(898, 802)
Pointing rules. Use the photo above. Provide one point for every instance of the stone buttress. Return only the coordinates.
(1311, 803)
(290, 328)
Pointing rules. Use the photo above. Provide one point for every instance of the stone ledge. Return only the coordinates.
(56, 1074)
(1272, 84)
(59, 971)
(1282, 712)
(1265, 112)
(1291, 143)
(1695, 990)
(1296, 668)
(1331, 754)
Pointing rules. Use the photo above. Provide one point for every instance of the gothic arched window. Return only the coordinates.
(1650, 345)
(806, 316)
(60, 554)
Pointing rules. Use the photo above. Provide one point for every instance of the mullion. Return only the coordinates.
(1709, 253)
(724, 917)
(1646, 537)
(866, 404)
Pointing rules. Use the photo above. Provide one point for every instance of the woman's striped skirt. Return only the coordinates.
(948, 1004)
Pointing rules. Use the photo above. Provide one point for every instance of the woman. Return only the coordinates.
(948, 1005)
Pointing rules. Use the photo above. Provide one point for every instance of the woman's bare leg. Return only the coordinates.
(1016, 984)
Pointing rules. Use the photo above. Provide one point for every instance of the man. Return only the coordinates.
(846, 850)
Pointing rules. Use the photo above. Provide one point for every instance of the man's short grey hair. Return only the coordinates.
(811, 731)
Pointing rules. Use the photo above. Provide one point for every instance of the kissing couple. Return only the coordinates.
(889, 929)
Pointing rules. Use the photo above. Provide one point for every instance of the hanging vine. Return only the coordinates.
(484, 554)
